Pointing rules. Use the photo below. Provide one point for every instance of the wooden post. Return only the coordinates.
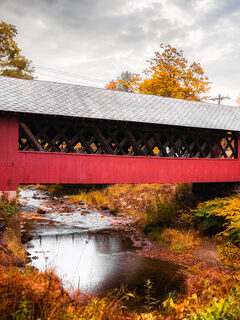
(8, 156)
(238, 148)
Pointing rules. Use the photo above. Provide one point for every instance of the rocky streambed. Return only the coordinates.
(91, 250)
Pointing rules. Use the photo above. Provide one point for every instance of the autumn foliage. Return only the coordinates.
(12, 62)
(169, 75)
(127, 82)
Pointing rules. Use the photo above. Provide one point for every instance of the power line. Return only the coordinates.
(66, 80)
(73, 75)
(219, 98)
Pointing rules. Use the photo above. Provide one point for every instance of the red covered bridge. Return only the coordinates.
(62, 133)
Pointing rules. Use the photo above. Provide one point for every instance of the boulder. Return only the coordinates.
(43, 209)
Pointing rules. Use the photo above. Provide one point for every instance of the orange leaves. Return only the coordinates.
(112, 85)
(12, 63)
(127, 82)
(169, 74)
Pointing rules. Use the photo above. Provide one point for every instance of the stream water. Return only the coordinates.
(89, 251)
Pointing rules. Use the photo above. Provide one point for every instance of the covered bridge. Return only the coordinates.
(63, 133)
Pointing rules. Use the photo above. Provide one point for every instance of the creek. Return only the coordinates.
(91, 250)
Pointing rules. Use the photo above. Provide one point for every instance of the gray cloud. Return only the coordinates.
(100, 38)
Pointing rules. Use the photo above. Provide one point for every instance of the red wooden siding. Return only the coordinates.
(8, 153)
(42, 167)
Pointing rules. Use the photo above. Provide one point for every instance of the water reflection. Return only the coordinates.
(99, 262)
(79, 258)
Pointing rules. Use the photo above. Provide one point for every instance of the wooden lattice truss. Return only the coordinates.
(51, 134)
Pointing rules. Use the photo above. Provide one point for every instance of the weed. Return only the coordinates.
(151, 302)
(175, 239)
(24, 309)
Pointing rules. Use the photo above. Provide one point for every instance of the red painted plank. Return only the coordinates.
(84, 168)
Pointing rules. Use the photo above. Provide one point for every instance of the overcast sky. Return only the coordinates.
(100, 38)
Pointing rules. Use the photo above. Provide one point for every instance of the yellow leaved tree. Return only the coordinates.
(170, 75)
(12, 62)
(127, 82)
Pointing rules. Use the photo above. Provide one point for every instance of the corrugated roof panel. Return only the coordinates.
(51, 98)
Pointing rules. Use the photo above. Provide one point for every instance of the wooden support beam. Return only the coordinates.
(103, 142)
(31, 136)
(133, 143)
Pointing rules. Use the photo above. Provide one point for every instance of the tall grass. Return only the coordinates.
(31, 294)
(177, 239)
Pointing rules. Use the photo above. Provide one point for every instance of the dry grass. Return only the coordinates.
(177, 240)
(29, 294)
(11, 249)
(129, 199)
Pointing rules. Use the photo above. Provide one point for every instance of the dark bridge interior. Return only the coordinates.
(73, 135)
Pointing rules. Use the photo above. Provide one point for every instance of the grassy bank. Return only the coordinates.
(11, 249)
(129, 199)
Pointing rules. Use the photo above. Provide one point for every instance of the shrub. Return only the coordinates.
(218, 298)
(160, 215)
(221, 216)
(7, 209)
(229, 254)
(183, 198)
(206, 215)
(227, 308)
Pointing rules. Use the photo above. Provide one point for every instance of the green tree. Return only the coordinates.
(12, 63)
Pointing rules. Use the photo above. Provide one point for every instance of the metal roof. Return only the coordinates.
(61, 99)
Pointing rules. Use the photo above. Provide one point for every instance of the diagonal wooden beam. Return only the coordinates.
(133, 142)
(43, 135)
(103, 142)
(33, 140)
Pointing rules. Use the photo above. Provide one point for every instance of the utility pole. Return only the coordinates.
(219, 98)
